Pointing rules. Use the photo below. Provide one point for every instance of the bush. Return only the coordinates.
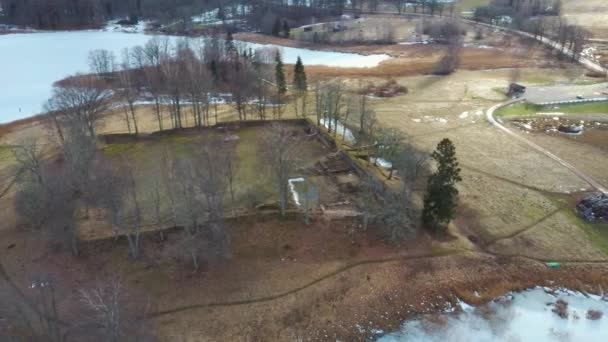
(389, 88)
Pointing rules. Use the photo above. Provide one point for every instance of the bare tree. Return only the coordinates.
(110, 314)
(155, 51)
(29, 318)
(79, 104)
(196, 194)
(330, 104)
(228, 163)
(262, 88)
(102, 62)
(364, 113)
(117, 192)
(198, 87)
(45, 198)
(174, 87)
(154, 192)
(278, 150)
(129, 89)
(79, 151)
(409, 162)
(28, 155)
(387, 148)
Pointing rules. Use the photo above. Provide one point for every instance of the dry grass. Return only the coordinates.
(523, 182)
(423, 60)
(592, 14)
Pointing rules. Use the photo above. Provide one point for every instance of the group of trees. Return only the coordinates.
(62, 14)
(394, 211)
(55, 195)
(185, 81)
(519, 9)
(106, 312)
(431, 7)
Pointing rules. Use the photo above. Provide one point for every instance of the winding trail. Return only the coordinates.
(404, 258)
(490, 116)
(338, 271)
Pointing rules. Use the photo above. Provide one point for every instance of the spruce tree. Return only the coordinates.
(300, 85)
(440, 200)
(276, 28)
(299, 76)
(221, 15)
(280, 75)
(230, 47)
(286, 29)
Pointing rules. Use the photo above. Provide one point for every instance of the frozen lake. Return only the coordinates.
(31, 62)
(524, 316)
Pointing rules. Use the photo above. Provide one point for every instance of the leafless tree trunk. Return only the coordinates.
(277, 148)
(80, 103)
(102, 62)
(129, 88)
(111, 314)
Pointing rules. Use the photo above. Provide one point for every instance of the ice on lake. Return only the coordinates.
(525, 316)
(31, 62)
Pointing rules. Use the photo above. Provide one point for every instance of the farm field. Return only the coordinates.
(592, 14)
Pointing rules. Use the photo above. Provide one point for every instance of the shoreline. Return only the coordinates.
(443, 296)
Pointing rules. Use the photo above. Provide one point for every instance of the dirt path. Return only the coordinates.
(404, 258)
(572, 168)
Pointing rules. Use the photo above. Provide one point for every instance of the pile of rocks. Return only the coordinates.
(594, 208)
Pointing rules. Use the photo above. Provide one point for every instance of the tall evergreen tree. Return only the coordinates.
(440, 200)
(221, 14)
(299, 76)
(286, 29)
(230, 47)
(301, 86)
(280, 75)
(276, 28)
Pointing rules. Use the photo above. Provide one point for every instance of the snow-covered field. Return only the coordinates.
(31, 62)
(525, 316)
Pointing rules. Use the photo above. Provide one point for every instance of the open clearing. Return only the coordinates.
(527, 187)
(529, 109)
(253, 184)
(592, 14)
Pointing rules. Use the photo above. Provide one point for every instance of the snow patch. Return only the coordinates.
(341, 130)
(521, 316)
(294, 192)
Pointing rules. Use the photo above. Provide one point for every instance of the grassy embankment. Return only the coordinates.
(529, 109)
(252, 182)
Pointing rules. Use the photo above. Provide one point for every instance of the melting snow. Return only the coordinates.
(341, 130)
(292, 188)
(524, 316)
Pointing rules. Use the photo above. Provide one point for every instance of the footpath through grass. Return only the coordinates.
(529, 109)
